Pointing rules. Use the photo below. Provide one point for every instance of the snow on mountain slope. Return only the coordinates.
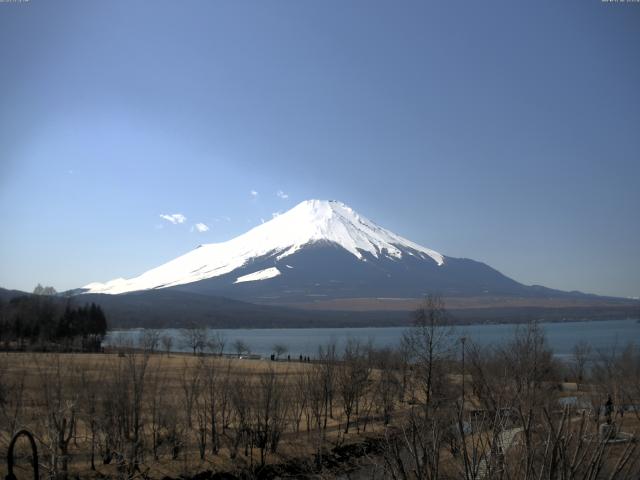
(259, 275)
(308, 222)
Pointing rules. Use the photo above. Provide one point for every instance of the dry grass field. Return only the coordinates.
(407, 414)
(90, 389)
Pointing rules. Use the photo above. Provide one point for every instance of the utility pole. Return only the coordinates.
(462, 341)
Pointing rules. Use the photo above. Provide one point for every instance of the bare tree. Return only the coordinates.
(352, 375)
(629, 367)
(430, 343)
(269, 413)
(240, 396)
(581, 353)
(174, 433)
(194, 338)
(315, 382)
(121, 416)
(328, 359)
(216, 343)
(61, 403)
(417, 447)
(212, 396)
(298, 400)
(91, 390)
(190, 385)
(12, 401)
(150, 340)
(167, 343)
(201, 401)
(224, 392)
(135, 368)
(156, 406)
(616, 373)
(387, 385)
(240, 347)
(279, 349)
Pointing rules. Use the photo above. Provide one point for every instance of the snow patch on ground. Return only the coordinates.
(259, 275)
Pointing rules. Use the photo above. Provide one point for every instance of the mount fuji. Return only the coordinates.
(321, 251)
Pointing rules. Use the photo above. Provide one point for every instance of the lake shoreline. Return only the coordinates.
(561, 336)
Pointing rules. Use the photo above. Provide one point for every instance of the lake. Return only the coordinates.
(305, 341)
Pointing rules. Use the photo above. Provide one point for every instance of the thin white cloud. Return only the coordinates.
(276, 214)
(174, 218)
(253, 193)
(201, 227)
(282, 195)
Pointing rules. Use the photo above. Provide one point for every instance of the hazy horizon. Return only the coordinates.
(506, 133)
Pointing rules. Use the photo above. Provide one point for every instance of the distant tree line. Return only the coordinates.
(43, 321)
(40, 290)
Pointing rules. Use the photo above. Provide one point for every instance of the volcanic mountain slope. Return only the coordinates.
(322, 250)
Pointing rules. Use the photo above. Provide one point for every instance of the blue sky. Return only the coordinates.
(500, 131)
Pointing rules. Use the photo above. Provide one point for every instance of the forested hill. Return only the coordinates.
(49, 322)
(169, 308)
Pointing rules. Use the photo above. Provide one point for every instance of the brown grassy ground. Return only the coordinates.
(34, 367)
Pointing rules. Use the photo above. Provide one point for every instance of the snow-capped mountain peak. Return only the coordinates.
(321, 220)
(309, 222)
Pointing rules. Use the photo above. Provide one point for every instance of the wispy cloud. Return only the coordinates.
(174, 218)
(282, 195)
(276, 214)
(253, 193)
(201, 227)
